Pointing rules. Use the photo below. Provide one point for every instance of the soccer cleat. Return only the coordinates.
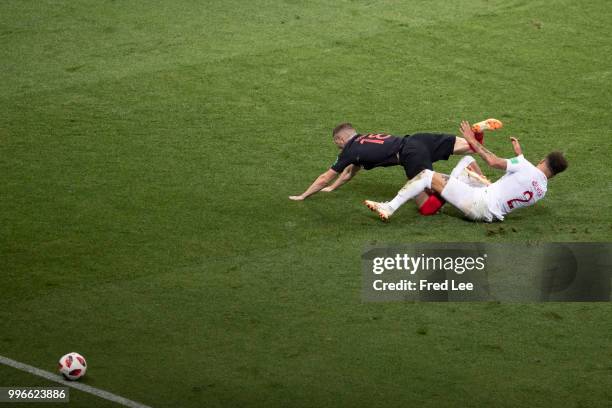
(488, 124)
(383, 210)
(480, 127)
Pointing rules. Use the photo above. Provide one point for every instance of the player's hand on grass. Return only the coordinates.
(297, 198)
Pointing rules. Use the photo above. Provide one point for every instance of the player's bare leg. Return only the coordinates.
(461, 146)
(438, 182)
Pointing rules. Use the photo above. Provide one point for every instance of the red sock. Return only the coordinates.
(480, 138)
(432, 205)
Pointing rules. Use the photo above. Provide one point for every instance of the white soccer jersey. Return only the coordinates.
(522, 185)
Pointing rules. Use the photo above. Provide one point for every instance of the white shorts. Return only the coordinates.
(471, 201)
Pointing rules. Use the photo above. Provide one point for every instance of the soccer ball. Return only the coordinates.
(72, 366)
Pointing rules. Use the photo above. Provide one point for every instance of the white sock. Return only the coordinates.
(412, 188)
(463, 163)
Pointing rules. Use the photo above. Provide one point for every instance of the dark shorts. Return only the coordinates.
(421, 150)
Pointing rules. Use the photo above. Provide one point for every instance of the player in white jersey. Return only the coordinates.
(523, 184)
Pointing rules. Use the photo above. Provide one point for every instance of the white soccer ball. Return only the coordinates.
(72, 366)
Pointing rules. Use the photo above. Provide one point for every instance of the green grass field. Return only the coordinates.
(147, 150)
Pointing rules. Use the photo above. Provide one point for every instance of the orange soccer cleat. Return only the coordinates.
(489, 124)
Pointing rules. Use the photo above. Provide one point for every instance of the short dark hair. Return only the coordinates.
(556, 162)
(340, 128)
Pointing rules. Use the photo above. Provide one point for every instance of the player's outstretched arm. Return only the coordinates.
(317, 185)
(516, 146)
(491, 159)
(345, 177)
